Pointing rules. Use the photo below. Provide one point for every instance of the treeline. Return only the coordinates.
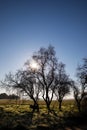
(5, 96)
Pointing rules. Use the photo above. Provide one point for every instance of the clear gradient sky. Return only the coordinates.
(27, 25)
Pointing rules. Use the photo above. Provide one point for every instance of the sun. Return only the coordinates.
(34, 65)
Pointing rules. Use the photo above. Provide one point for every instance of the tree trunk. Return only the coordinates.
(79, 106)
(48, 106)
(60, 103)
(78, 103)
(35, 106)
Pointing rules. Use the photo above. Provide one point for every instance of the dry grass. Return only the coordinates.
(18, 112)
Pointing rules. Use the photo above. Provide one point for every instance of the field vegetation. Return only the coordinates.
(14, 113)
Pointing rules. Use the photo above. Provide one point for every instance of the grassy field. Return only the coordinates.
(13, 113)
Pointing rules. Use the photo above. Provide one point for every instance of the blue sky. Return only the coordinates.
(27, 25)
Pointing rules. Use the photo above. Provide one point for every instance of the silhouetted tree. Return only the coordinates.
(26, 82)
(47, 62)
(80, 88)
(30, 85)
(47, 79)
(62, 84)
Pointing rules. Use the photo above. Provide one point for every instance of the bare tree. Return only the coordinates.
(62, 84)
(48, 78)
(80, 88)
(31, 86)
(46, 73)
(26, 82)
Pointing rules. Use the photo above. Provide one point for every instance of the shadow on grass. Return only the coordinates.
(42, 121)
(69, 122)
(15, 120)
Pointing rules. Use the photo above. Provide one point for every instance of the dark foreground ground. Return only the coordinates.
(79, 127)
(69, 124)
